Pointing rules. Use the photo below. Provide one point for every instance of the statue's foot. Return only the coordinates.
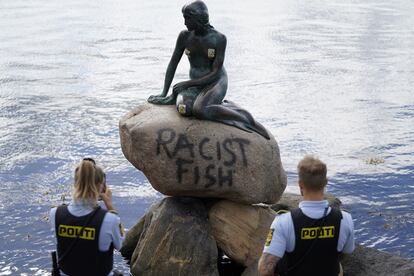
(169, 100)
(152, 97)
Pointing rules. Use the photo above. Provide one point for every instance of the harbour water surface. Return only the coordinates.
(332, 78)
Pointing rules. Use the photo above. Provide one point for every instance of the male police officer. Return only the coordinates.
(308, 240)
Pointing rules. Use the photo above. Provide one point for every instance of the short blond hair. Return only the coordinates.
(312, 172)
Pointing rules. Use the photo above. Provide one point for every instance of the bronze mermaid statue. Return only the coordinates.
(202, 95)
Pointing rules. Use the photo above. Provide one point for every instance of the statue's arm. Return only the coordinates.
(175, 59)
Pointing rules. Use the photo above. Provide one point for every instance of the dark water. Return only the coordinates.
(331, 78)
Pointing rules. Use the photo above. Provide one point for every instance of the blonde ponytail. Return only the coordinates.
(86, 188)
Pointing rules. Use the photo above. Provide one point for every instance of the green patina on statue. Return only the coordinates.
(202, 96)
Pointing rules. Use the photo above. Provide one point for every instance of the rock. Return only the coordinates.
(132, 237)
(183, 156)
(173, 238)
(366, 261)
(240, 230)
(252, 270)
(290, 200)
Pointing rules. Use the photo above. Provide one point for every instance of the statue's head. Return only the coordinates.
(196, 15)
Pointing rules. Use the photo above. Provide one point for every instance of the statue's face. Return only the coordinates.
(190, 22)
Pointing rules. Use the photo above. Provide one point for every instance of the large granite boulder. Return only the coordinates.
(365, 261)
(173, 238)
(184, 156)
(240, 230)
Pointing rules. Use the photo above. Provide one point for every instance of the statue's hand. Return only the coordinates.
(180, 87)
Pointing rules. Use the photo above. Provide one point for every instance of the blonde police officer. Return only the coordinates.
(86, 233)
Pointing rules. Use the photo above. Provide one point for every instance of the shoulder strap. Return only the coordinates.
(89, 218)
(336, 212)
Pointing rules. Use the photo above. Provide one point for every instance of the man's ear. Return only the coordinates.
(301, 186)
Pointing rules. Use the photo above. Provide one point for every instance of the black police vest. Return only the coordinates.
(84, 258)
(316, 242)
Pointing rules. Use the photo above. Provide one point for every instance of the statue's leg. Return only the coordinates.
(208, 106)
(185, 101)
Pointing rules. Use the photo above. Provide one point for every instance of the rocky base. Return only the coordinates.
(173, 238)
(189, 236)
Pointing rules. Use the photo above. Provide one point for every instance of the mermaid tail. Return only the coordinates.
(250, 125)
